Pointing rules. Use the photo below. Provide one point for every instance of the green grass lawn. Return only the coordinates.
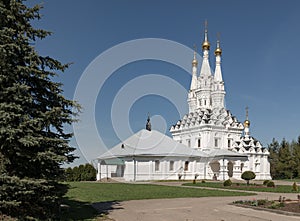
(82, 194)
(251, 187)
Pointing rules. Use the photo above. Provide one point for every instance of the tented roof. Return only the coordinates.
(151, 143)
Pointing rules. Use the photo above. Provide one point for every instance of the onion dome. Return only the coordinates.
(205, 45)
(246, 123)
(195, 62)
(148, 124)
(218, 51)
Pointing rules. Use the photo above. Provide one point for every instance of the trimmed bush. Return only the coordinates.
(227, 183)
(295, 187)
(203, 181)
(248, 175)
(265, 183)
(271, 184)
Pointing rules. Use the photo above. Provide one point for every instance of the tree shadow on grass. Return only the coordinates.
(77, 210)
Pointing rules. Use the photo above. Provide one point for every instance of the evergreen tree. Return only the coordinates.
(273, 158)
(33, 113)
(296, 157)
(286, 162)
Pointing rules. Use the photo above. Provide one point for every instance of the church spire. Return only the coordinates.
(148, 124)
(205, 68)
(194, 71)
(218, 93)
(205, 44)
(218, 53)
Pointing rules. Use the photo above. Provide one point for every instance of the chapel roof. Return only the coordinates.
(151, 143)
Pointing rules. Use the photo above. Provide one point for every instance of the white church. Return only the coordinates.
(208, 142)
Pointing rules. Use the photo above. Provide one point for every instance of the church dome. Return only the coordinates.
(218, 51)
(246, 123)
(205, 45)
(194, 62)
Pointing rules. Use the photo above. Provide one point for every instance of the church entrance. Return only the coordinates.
(215, 168)
(230, 169)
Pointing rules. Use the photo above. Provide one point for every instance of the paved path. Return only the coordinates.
(196, 209)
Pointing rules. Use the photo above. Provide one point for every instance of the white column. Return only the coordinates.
(223, 169)
(98, 177)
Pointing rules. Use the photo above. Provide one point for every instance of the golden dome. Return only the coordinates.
(218, 51)
(205, 45)
(246, 123)
(194, 62)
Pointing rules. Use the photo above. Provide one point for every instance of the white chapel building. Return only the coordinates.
(208, 142)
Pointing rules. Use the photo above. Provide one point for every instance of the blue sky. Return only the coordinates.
(259, 38)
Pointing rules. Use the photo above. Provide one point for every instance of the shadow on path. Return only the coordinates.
(77, 210)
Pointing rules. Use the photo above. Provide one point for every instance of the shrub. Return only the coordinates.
(227, 183)
(248, 175)
(265, 183)
(203, 181)
(261, 202)
(295, 187)
(271, 184)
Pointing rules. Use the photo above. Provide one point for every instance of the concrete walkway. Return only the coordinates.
(194, 209)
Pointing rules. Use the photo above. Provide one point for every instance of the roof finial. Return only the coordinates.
(205, 44)
(148, 124)
(218, 50)
(195, 62)
(247, 122)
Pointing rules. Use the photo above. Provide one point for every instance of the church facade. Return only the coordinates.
(208, 142)
(210, 125)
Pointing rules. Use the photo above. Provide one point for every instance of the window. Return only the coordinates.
(171, 166)
(216, 142)
(204, 102)
(186, 166)
(188, 142)
(229, 142)
(199, 142)
(156, 165)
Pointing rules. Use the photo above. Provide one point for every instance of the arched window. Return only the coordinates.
(186, 166)
(171, 166)
(156, 165)
(188, 142)
(229, 143)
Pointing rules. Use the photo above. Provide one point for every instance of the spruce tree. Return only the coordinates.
(273, 158)
(33, 116)
(286, 163)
